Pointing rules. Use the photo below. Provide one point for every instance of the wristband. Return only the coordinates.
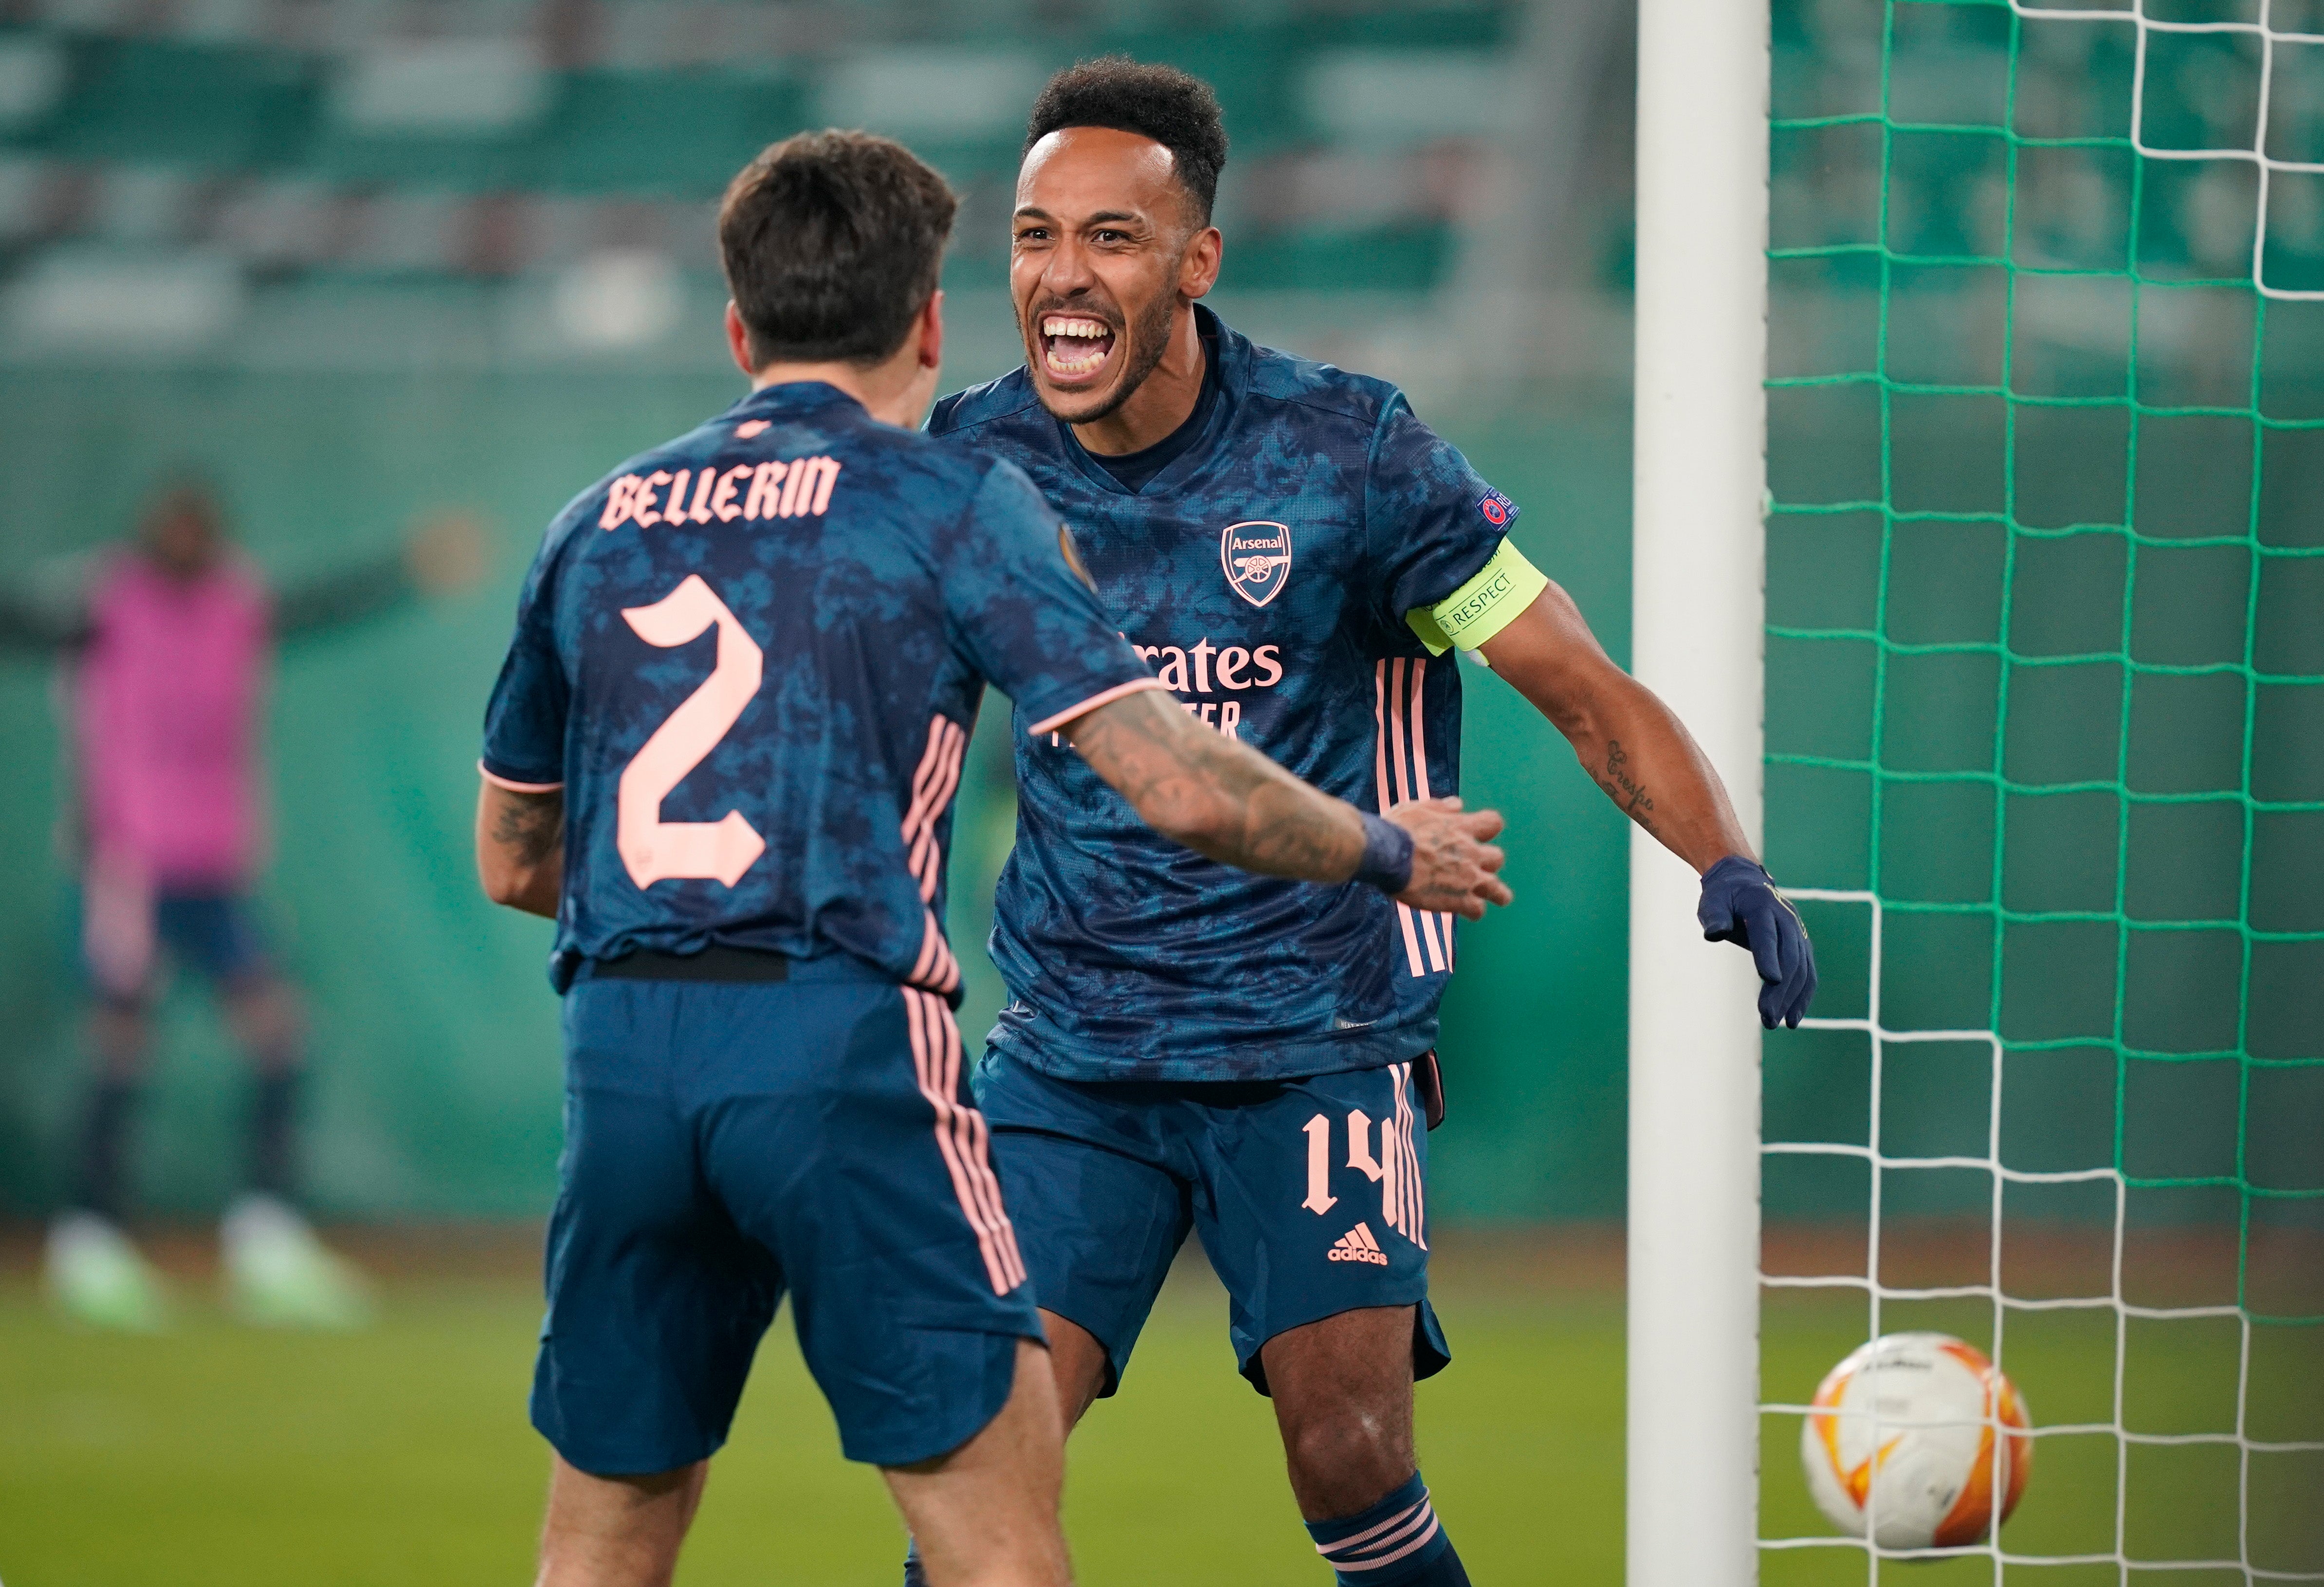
(1387, 863)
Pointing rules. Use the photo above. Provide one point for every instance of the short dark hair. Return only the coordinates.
(1174, 109)
(833, 242)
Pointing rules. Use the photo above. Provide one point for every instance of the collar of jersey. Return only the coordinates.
(1234, 371)
(793, 396)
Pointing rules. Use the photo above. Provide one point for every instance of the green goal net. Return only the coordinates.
(2045, 728)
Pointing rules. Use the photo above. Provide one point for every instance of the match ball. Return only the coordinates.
(1901, 1443)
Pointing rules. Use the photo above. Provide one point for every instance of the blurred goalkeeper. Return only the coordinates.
(170, 645)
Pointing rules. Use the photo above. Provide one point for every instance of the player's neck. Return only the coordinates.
(895, 391)
(1162, 401)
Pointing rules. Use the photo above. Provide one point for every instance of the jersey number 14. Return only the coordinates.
(655, 850)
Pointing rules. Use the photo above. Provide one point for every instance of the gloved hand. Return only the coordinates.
(1740, 905)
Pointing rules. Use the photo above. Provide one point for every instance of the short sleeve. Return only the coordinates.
(1022, 614)
(1432, 522)
(524, 722)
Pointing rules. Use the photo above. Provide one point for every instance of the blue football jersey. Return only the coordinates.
(751, 658)
(1265, 574)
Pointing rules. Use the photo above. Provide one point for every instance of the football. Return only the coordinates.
(1901, 1443)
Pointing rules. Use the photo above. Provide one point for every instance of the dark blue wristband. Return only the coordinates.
(1387, 863)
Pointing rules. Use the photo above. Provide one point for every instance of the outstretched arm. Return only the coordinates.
(1641, 754)
(1226, 800)
(1632, 745)
(521, 847)
(32, 625)
(443, 555)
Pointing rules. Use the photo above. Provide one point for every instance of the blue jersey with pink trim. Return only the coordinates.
(752, 657)
(1265, 573)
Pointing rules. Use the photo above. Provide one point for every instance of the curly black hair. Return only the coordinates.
(1177, 110)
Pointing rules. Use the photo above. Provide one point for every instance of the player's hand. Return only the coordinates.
(1456, 863)
(1740, 905)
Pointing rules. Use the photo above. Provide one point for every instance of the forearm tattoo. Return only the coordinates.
(533, 824)
(1283, 829)
(1625, 789)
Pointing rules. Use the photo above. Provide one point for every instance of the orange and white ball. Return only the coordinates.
(1901, 1443)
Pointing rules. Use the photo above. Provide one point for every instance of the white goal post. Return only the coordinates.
(1698, 564)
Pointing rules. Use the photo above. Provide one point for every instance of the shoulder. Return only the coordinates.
(988, 406)
(934, 474)
(1320, 396)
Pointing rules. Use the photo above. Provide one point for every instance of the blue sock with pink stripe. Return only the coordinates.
(1397, 1543)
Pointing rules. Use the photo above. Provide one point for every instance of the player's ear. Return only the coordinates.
(931, 331)
(1198, 266)
(738, 340)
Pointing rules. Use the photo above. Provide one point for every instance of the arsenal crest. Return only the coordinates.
(1256, 557)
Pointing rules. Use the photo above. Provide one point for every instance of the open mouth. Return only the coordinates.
(1074, 347)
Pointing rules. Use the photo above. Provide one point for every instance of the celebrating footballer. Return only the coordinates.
(1191, 1049)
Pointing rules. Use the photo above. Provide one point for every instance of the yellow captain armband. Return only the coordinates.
(1483, 607)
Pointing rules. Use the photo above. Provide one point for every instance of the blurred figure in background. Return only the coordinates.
(170, 646)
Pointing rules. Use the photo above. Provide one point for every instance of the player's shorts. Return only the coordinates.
(727, 1140)
(1308, 1195)
(214, 933)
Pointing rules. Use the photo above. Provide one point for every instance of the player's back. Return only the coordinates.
(751, 658)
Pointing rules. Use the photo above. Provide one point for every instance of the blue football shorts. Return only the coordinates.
(1308, 1195)
(726, 1141)
(214, 932)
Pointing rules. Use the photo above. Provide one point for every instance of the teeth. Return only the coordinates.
(1058, 326)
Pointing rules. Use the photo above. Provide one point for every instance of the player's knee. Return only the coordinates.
(1342, 1458)
(271, 1019)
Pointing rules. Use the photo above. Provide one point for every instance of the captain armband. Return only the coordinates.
(1480, 609)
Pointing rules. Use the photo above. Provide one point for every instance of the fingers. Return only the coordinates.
(1460, 879)
(1763, 938)
(1800, 986)
(1483, 825)
(1456, 862)
(1786, 1002)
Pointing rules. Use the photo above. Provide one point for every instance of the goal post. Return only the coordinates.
(1698, 562)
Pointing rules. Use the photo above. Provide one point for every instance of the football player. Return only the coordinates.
(1188, 1048)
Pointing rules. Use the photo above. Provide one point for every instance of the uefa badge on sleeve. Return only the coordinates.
(1256, 557)
(1496, 508)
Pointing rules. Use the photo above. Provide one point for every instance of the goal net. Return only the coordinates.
(2045, 760)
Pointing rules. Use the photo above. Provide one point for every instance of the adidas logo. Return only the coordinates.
(1357, 1245)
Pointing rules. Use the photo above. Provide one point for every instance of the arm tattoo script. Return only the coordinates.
(1625, 789)
(533, 824)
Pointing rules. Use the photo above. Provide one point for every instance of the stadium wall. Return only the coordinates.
(435, 1032)
(435, 1037)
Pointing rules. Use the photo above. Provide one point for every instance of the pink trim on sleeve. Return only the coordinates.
(1051, 724)
(517, 786)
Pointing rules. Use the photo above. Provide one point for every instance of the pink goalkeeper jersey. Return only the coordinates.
(169, 695)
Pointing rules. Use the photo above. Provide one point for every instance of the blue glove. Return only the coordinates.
(1740, 905)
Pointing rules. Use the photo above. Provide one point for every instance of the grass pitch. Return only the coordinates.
(221, 1457)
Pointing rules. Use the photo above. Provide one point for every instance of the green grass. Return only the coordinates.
(218, 1457)
(221, 1456)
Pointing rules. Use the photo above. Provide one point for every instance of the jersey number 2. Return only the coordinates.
(655, 850)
